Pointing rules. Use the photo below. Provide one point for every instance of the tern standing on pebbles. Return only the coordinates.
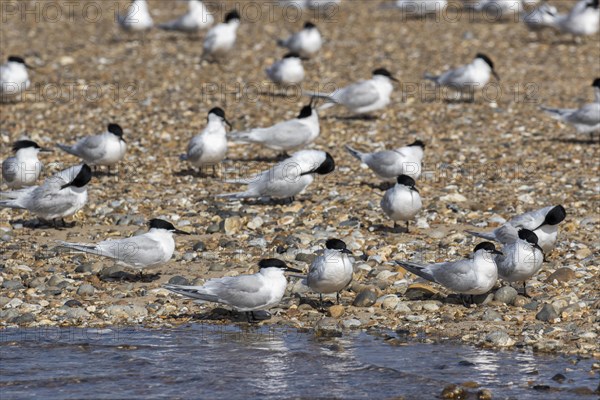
(521, 256)
(288, 178)
(332, 271)
(107, 148)
(137, 18)
(467, 78)
(472, 276)
(14, 78)
(286, 135)
(287, 71)
(210, 146)
(221, 38)
(198, 17)
(306, 43)
(364, 96)
(585, 119)
(402, 201)
(60, 196)
(150, 249)
(389, 164)
(24, 168)
(244, 293)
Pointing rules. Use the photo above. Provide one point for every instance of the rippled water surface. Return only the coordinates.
(228, 362)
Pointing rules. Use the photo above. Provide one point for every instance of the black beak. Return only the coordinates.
(496, 75)
(227, 122)
(415, 189)
(394, 79)
(45, 150)
(290, 269)
(497, 252)
(30, 66)
(537, 246)
(65, 185)
(180, 232)
(346, 251)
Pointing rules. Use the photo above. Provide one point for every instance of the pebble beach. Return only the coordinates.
(485, 161)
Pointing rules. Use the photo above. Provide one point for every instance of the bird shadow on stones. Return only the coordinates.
(388, 229)
(195, 173)
(123, 276)
(222, 314)
(383, 186)
(315, 303)
(41, 224)
(575, 141)
(263, 159)
(351, 118)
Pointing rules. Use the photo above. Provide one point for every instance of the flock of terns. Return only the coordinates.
(524, 239)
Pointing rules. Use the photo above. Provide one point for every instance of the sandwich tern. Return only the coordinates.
(61, 195)
(472, 276)
(137, 18)
(402, 201)
(389, 164)
(521, 256)
(221, 38)
(332, 271)
(585, 119)
(540, 18)
(198, 17)
(288, 178)
(243, 293)
(467, 78)
(417, 8)
(287, 71)
(210, 146)
(582, 20)
(543, 222)
(286, 135)
(14, 78)
(107, 148)
(24, 168)
(306, 42)
(150, 249)
(364, 96)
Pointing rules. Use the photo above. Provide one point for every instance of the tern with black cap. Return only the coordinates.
(389, 164)
(402, 202)
(14, 78)
(471, 276)
(60, 196)
(585, 119)
(306, 42)
(286, 135)
(24, 168)
(244, 293)
(137, 17)
(288, 178)
(210, 146)
(221, 38)
(287, 71)
(197, 17)
(331, 271)
(361, 97)
(107, 148)
(543, 222)
(150, 249)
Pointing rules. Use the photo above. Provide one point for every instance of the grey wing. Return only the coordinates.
(454, 275)
(9, 169)
(289, 134)
(506, 234)
(90, 148)
(137, 251)
(357, 95)
(244, 291)
(530, 220)
(456, 76)
(384, 159)
(587, 115)
(195, 150)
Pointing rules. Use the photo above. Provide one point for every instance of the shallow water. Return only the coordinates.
(208, 361)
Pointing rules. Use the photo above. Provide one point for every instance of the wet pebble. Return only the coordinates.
(179, 280)
(506, 295)
(365, 298)
(500, 339)
(547, 313)
(86, 290)
(328, 327)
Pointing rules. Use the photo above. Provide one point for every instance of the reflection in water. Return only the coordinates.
(208, 361)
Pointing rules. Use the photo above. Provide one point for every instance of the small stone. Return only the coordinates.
(491, 315)
(216, 267)
(189, 256)
(547, 313)
(520, 301)
(453, 392)
(86, 290)
(366, 298)
(419, 291)
(506, 295)
(232, 225)
(431, 306)
(213, 228)
(87, 267)
(563, 274)
(73, 303)
(12, 285)
(390, 302)
(77, 313)
(583, 253)
(328, 327)
(126, 311)
(179, 280)
(484, 394)
(255, 223)
(55, 280)
(336, 311)
(23, 319)
(402, 308)
(199, 247)
(36, 282)
(500, 339)
(351, 323)
(560, 378)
